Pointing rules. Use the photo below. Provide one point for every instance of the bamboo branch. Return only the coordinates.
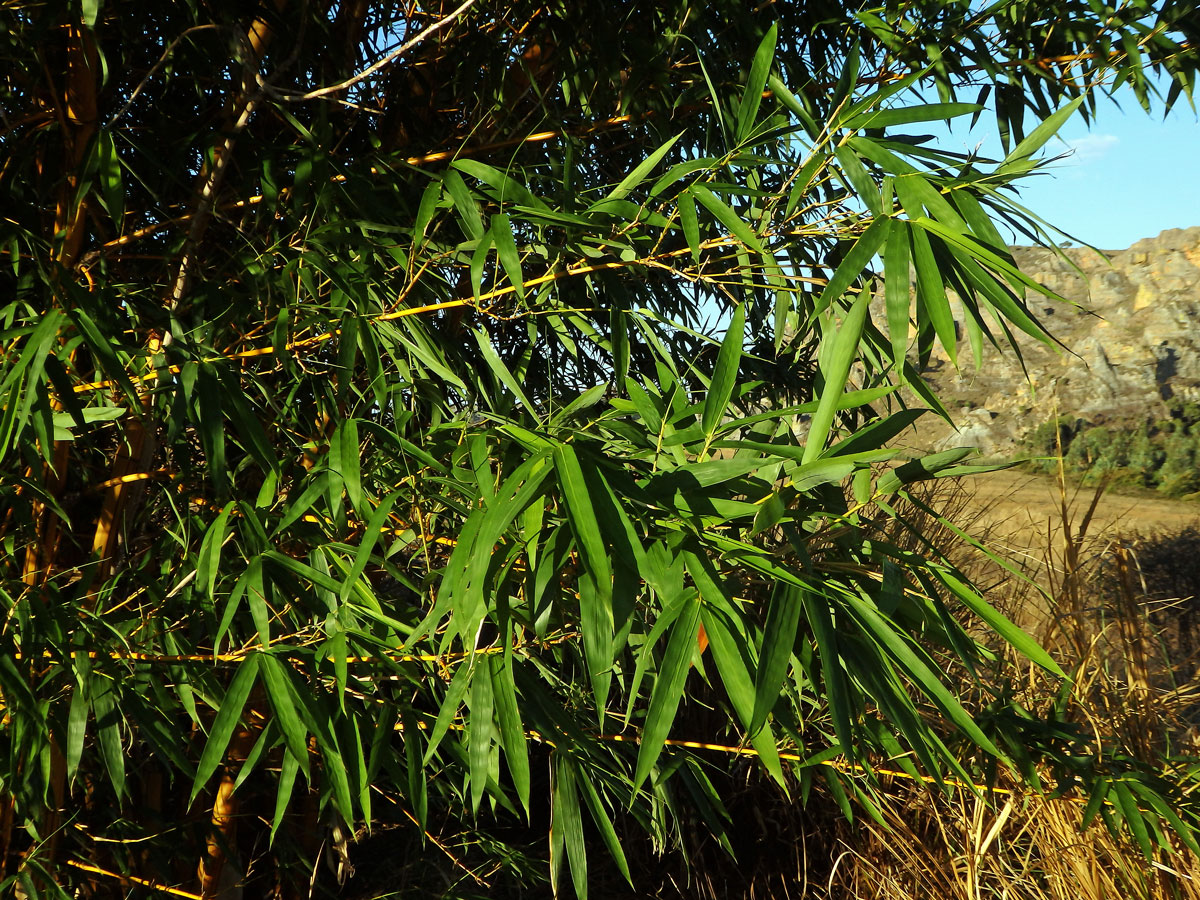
(383, 63)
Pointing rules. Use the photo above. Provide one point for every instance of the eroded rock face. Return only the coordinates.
(1133, 343)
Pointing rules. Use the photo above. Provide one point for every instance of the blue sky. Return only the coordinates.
(1129, 176)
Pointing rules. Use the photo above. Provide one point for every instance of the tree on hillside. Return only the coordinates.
(428, 415)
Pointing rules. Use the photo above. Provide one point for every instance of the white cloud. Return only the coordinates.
(1090, 147)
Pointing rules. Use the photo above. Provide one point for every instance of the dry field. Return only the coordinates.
(1021, 509)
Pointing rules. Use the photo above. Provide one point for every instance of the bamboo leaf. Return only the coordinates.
(566, 826)
(506, 249)
(896, 284)
(503, 374)
(208, 561)
(108, 729)
(344, 452)
(668, 687)
(933, 292)
(727, 217)
(905, 115)
(468, 212)
(595, 587)
(512, 729)
(760, 69)
(1000, 623)
(604, 825)
(779, 636)
(688, 221)
(283, 791)
(77, 716)
(1049, 127)
(639, 174)
(855, 263)
(279, 693)
(367, 543)
(479, 728)
(725, 373)
(923, 677)
(229, 713)
(835, 373)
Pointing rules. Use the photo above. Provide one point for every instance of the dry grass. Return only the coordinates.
(1112, 608)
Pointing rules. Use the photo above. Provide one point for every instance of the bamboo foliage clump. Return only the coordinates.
(475, 420)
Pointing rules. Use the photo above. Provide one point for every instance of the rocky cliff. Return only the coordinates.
(1133, 344)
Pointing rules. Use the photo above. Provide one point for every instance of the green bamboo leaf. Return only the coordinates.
(855, 263)
(916, 194)
(595, 586)
(108, 172)
(967, 250)
(507, 188)
(345, 450)
(860, 180)
(668, 687)
(1000, 623)
(258, 591)
(896, 285)
(604, 825)
(881, 156)
(837, 689)
(506, 249)
(229, 713)
(367, 543)
(480, 728)
(681, 170)
(688, 221)
(585, 400)
(725, 373)
(334, 766)
(337, 649)
(317, 487)
(932, 290)
(102, 346)
(1020, 157)
(884, 635)
(720, 618)
(479, 546)
(1095, 802)
(279, 692)
(727, 217)
(779, 636)
(77, 716)
(503, 374)
(512, 729)
(108, 729)
(283, 791)
(1163, 808)
(649, 411)
(566, 826)
(208, 561)
(835, 373)
(640, 173)
(793, 105)
(1132, 814)
(448, 710)
(905, 115)
(760, 69)
(468, 212)
(982, 225)
(211, 426)
(430, 198)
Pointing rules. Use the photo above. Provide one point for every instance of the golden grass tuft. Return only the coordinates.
(1102, 602)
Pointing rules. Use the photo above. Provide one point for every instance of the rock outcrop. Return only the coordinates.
(1133, 344)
